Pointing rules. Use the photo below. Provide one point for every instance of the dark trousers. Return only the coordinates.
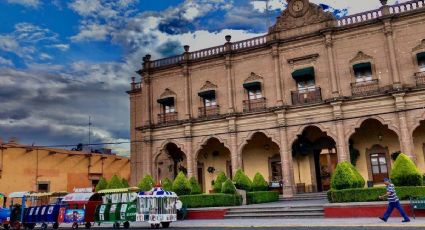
(391, 206)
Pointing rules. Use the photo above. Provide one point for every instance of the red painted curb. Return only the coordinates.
(366, 211)
(206, 214)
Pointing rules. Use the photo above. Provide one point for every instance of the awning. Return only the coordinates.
(252, 85)
(19, 194)
(360, 66)
(118, 190)
(166, 101)
(420, 55)
(78, 196)
(207, 94)
(303, 74)
(42, 194)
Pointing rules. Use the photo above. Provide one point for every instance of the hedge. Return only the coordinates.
(181, 185)
(103, 183)
(242, 181)
(195, 188)
(167, 184)
(218, 183)
(405, 172)
(146, 184)
(228, 187)
(346, 177)
(258, 183)
(115, 182)
(262, 197)
(211, 200)
(372, 194)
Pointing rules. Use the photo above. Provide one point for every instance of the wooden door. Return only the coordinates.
(379, 166)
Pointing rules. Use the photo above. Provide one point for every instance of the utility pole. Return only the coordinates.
(89, 132)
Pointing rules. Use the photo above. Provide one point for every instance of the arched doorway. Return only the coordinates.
(170, 162)
(212, 159)
(261, 154)
(375, 144)
(314, 159)
(419, 145)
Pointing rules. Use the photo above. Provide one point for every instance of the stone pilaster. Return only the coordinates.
(331, 61)
(230, 85)
(277, 74)
(236, 160)
(341, 143)
(391, 48)
(189, 153)
(406, 139)
(286, 158)
(186, 76)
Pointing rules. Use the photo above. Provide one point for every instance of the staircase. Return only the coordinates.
(307, 205)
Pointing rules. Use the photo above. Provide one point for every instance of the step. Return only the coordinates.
(276, 215)
(288, 212)
(283, 209)
(301, 199)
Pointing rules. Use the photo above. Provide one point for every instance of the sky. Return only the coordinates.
(63, 61)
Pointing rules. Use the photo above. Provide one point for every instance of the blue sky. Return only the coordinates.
(62, 61)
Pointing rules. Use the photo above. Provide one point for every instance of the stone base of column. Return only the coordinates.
(287, 191)
(397, 85)
(335, 94)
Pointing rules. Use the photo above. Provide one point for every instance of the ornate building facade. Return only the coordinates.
(313, 91)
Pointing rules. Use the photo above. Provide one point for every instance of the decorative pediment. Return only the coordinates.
(361, 57)
(208, 86)
(168, 93)
(420, 47)
(301, 13)
(253, 77)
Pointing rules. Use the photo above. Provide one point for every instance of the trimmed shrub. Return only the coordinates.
(181, 185)
(372, 194)
(228, 187)
(103, 184)
(259, 183)
(405, 173)
(211, 200)
(124, 183)
(346, 176)
(146, 184)
(194, 186)
(242, 181)
(115, 182)
(262, 197)
(218, 183)
(167, 184)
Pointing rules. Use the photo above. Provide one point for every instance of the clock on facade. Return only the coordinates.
(298, 8)
(298, 5)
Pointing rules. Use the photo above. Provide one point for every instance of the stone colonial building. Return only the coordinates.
(313, 91)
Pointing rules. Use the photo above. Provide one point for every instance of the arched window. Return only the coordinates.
(421, 61)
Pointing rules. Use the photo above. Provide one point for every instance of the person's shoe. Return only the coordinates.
(405, 221)
(382, 218)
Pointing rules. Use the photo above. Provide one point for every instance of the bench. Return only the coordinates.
(417, 204)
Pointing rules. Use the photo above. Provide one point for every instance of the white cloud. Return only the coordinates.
(44, 56)
(4, 61)
(85, 7)
(8, 43)
(93, 32)
(28, 3)
(61, 47)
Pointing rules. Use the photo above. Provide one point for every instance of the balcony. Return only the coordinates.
(365, 88)
(209, 111)
(254, 105)
(420, 79)
(166, 118)
(308, 96)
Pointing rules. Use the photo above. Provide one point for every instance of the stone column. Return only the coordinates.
(147, 89)
(341, 144)
(230, 80)
(148, 157)
(331, 61)
(406, 139)
(186, 76)
(189, 154)
(286, 158)
(277, 74)
(234, 155)
(393, 60)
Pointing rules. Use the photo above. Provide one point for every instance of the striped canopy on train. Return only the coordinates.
(157, 192)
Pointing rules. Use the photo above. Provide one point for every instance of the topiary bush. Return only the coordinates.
(211, 200)
(218, 183)
(228, 187)
(346, 176)
(181, 185)
(194, 186)
(405, 172)
(146, 184)
(103, 184)
(259, 183)
(115, 182)
(242, 181)
(124, 183)
(167, 184)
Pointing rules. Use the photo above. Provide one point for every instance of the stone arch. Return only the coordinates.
(388, 123)
(201, 144)
(165, 143)
(179, 160)
(417, 122)
(250, 135)
(301, 129)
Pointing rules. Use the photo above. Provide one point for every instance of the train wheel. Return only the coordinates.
(44, 226)
(55, 225)
(75, 226)
(165, 224)
(126, 225)
(88, 225)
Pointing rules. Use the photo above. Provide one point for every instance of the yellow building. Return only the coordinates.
(30, 168)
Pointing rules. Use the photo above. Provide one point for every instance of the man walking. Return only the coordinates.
(393, 202)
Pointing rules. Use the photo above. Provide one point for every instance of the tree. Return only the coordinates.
(346, 176)
(228, 187)
(181, 185)
(194, 186)
(242, 181)
(102, 184)
(259, 183)
(218, 183)
(167, 184)
(146, 184)
(405, 172)
(115, 182)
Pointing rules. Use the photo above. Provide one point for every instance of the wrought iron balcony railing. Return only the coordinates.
(365, 88)
(166, 118)
(420, 79)
(254, 105)
(209, 111)
(308, 96)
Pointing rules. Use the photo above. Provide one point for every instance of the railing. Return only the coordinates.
(164, 118)
(302, 97)
(254, 105)
(420, 79)
(207, 52)
(365, 88)
(407, 6)
(167, 61)
(136, 86)
(253, 42)
(209, 111)
(360, 17)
